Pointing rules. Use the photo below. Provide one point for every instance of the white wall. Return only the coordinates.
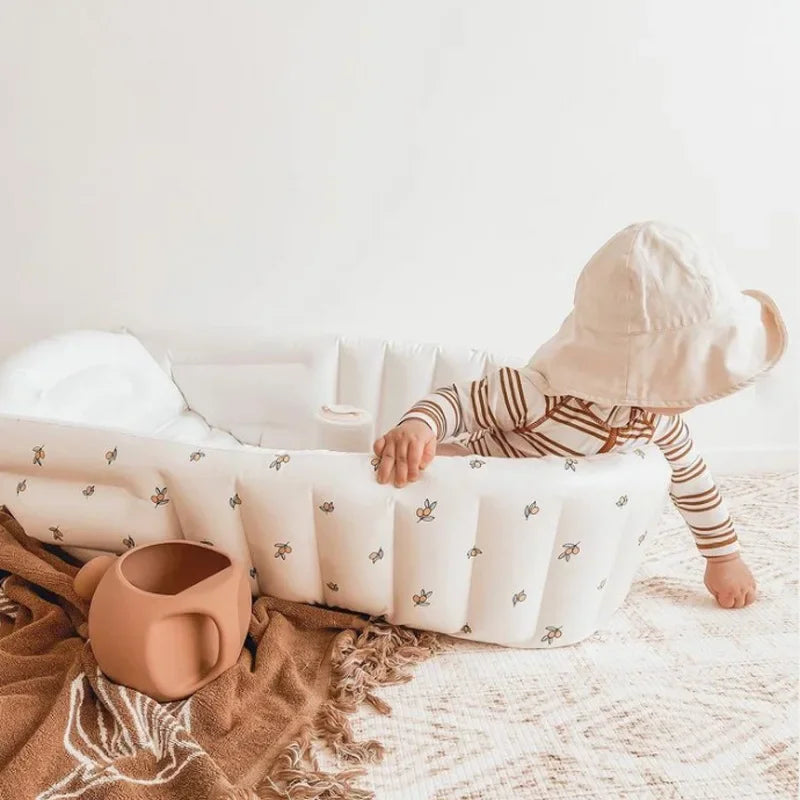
(427, 170)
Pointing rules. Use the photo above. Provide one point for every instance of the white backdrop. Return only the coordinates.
(421, 170)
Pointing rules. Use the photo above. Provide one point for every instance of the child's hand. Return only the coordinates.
(730, 581)
(404, 451)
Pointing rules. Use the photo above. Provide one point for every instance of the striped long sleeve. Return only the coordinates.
(481, 412)
(504, 414)
(693, 490)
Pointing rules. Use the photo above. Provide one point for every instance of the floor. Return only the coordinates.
(677, 698)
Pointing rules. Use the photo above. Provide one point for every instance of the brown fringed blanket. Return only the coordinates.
(68, 732)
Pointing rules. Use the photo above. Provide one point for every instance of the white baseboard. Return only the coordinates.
(750, 460)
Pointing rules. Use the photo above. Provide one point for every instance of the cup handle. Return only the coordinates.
(227, 649)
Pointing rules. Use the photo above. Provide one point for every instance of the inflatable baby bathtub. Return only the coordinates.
(109, 441)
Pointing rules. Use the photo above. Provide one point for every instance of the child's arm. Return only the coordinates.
(486, 410)
(694, 492)
(503, 401)
(699, 501)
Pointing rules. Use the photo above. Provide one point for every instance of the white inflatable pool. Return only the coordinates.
(107, 441)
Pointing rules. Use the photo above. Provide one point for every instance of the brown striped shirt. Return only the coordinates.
(504, 414)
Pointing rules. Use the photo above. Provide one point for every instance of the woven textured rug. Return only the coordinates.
(676, 699)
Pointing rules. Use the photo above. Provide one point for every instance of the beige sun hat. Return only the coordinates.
(657, 322)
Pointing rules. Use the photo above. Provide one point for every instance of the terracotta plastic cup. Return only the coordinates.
(166, 618)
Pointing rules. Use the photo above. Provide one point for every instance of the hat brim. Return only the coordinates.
(665, 369)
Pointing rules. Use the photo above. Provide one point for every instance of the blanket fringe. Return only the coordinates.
(379, 655)
(233, 793)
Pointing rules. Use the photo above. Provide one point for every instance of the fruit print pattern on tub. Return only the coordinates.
(425, 511)
(282, 549)
(501, 552)
(531, 510)
(159, 498)
(429, 509)
(422, 598)
(279, 461)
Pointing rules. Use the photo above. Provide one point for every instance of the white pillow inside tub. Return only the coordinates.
(90, 377)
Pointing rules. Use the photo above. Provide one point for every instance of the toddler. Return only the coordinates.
(657, 328)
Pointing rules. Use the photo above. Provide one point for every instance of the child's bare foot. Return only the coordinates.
(730, 581)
